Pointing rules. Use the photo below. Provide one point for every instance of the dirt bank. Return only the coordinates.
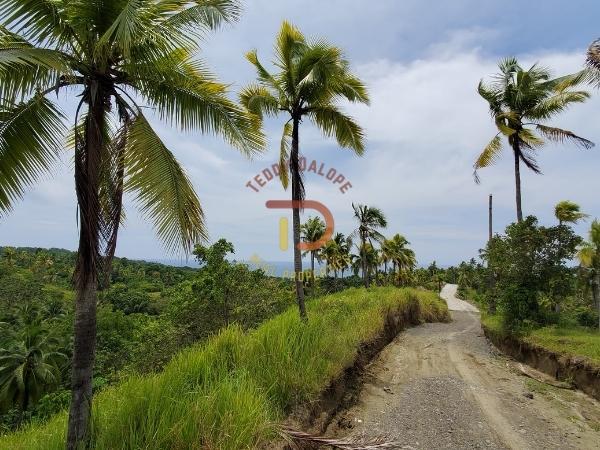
(581, 373)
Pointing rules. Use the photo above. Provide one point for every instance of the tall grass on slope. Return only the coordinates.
(231, 391)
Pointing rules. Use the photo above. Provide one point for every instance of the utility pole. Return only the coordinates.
(491, 280)
(490, 219)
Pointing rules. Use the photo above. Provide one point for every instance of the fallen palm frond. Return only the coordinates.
(542, 377)
(350, 444)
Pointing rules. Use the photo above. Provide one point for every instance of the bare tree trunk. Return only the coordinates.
(517, 152)
(88, 157)
(296, 196)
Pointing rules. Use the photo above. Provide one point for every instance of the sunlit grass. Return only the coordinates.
(231, 391)
(568, 341)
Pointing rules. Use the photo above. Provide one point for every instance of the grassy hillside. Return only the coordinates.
(231, 391)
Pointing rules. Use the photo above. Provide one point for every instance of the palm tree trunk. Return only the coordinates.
(88, 155)
(312, 268)
(296, 196)
(363, 261)
(517, 152)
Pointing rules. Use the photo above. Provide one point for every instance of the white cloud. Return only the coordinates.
(425, 126)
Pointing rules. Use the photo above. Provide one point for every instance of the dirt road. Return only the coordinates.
(444, 386)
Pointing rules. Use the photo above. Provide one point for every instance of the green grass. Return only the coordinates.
(230, 392)
(569, 341)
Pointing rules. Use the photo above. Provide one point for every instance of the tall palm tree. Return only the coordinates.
(370, 220)
(589, 257)
(567, 211)
(344, 246)
(311, 78)
(112, 53)
(29, 367)
(403, 257)
(311, 231)
(387, 254)
(520, 100)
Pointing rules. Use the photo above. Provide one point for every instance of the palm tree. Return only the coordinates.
(29, 367)
(387, 254)
(113, 53)
(589, 257)
(366, 259)
(567, 211)
(520, 100)
(404, 258)
(370, 220)
(330, 252)
(312, 231)
(311, 78)
(9, 254)
(344, 246)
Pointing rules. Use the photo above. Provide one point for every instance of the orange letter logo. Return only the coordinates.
(308, 204)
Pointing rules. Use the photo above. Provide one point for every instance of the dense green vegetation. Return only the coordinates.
(230, 392)
(147, 314)
(529, 287)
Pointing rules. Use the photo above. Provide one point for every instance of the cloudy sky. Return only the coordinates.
(422, 60)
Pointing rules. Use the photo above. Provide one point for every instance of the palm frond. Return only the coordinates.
(264, 77)
(333, 122)
(290, 43)
(593, 55)
(187, 95)
(259, 100)
(162, 189)
(39, 20)
(559, 135)
(31, 138)
(557, 103)
(205, 14)
(586, 254)
(488, 156)
(530, 139)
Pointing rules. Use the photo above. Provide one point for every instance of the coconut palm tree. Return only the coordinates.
(311, 78)
(112, 54)
(387, 254)
(9, 253)
(520, 101)
(312, 231)
(589, 257)
(367, 259)
(567, 211)
(370, 220)
(344, 246)
(29, 367)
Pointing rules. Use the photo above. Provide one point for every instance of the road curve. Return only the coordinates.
(443, 385)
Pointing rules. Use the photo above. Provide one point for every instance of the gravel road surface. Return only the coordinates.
(443, 386)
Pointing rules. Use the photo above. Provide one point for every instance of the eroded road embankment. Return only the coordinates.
(444, 386)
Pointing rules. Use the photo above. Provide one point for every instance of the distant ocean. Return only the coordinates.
(273, 268)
